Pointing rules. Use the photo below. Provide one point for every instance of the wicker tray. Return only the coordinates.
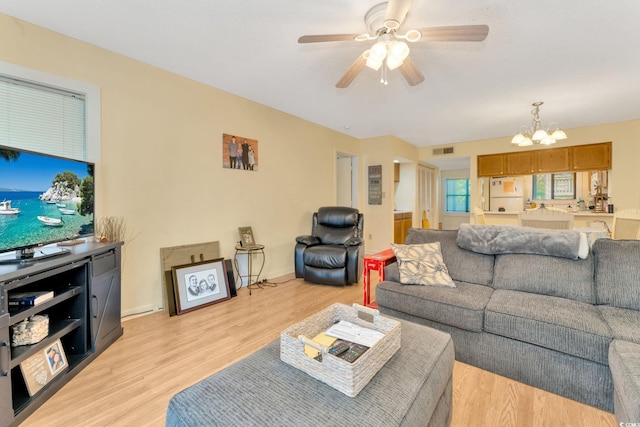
(348, 378)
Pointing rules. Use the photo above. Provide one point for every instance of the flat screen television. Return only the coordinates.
(43, 199)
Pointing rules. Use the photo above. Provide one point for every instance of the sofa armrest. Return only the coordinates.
(308, 240)
(392, 272)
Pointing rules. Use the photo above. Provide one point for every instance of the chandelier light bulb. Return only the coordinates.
(539, 135)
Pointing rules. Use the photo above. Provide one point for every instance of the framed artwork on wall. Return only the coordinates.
(200, 284)
(239, 152)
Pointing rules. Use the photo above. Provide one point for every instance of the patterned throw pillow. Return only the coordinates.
(422, 265)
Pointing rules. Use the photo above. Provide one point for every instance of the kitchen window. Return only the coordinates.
(457, 195)
(559, 186)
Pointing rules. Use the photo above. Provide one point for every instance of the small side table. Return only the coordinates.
(375, 262)
(250, 250)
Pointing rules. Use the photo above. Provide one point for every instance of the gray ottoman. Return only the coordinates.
(412, 389)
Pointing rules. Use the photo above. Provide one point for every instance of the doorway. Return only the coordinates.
(346, 180)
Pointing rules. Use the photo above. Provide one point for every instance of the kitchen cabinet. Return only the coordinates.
(553, 160)
(396, 172)
(520, 163)
(491, 165)
(588, 157)
(592, 157)
(402, 222)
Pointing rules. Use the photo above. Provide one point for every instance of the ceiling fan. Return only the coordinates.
(391, 50)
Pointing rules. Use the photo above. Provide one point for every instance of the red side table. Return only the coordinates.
(375, 262)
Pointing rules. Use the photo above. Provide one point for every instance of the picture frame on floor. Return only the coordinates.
(200, 284)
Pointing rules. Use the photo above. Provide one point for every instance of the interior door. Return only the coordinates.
(427, 194)
(346, 180)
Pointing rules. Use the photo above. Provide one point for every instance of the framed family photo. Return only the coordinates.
(239, 152)
(43, 366)
(200, 284)
(246, 237)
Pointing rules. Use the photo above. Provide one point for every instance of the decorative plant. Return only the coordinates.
(111, 229)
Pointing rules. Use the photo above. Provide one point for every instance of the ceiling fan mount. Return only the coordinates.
(383, 22)
(374, 19)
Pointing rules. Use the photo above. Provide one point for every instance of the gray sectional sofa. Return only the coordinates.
(571, 327)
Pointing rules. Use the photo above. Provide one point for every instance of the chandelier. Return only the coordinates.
(528, 135)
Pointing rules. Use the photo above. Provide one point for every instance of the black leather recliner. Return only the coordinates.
(332, 254)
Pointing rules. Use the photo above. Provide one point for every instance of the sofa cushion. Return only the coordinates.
(624, 361)
(422, 264)
(624, 323)
(463, 265)
(560, 324)
(617, 275)
(462, 306)
(546, 275)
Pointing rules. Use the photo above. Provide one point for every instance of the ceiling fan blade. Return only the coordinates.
(396, 13)
(352, 72)
(460, 33)
(410, 72)
(327, 38)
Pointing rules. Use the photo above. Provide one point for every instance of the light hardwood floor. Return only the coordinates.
(131, 383)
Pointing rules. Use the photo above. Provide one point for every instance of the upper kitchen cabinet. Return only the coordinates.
(561, 159)
(592, 157)
(521, 163)
(491, 165)
(553, 160)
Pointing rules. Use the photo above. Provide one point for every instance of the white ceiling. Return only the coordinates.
(581, 57)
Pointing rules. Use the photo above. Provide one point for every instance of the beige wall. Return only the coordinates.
(161, 159)
(379, 218)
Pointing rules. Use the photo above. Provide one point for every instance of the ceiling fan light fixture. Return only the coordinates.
(376, 56)
(397, 52)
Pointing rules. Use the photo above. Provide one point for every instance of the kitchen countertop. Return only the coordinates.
(579, 213)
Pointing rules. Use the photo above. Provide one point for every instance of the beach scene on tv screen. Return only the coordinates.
(43, 199)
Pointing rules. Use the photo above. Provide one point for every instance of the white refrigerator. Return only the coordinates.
(506, 194)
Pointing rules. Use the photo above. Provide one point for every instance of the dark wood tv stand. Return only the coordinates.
(84, 315)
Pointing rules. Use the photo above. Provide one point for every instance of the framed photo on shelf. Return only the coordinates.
(43, 366)
(246, 237)
(200, 284)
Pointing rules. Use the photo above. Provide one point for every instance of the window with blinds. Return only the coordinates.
(42, 119)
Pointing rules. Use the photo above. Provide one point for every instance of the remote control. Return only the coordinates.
(354, 352)
(339, 347)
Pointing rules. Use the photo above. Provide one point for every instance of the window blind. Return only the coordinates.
(42, 119)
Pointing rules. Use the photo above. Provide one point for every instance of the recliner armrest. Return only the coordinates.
(308, 240)
(354, 241)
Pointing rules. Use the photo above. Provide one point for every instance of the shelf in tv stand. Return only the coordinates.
(19, 316)
(57, 329)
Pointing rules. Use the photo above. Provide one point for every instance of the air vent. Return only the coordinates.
(445, 150)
